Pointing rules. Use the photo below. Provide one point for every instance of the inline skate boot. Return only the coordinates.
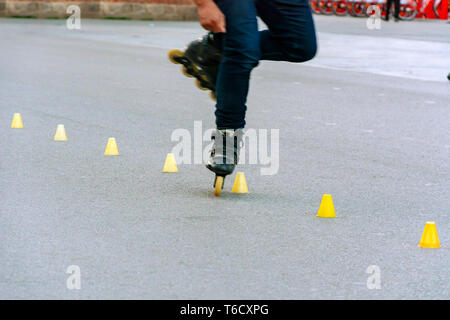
(224, 155)
(201, 60)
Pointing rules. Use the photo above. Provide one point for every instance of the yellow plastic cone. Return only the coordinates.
(240, 184)
(111, 148)
(326, 209)
(430, 237)
(17, 121)
(60, 134)
(170, 165)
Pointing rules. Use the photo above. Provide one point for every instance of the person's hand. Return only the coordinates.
(210, 17)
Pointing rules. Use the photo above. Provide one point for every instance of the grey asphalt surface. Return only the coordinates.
(376, 138)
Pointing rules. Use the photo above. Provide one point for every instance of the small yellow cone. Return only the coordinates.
(326, 209)
(17, 121)
(240, 184)
(60, 134)
(429, 236)
(170, 165)
(111, 148)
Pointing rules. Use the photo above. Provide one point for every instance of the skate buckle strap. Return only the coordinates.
(227, 143)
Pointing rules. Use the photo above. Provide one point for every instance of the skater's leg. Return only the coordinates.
(291, 35)
(388, 8)
(397, 9)
(241, 53)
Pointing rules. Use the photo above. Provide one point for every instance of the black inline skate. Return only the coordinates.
(224, 155)
(201, 60)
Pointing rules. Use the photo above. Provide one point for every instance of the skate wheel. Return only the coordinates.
(173, 54)
(218, 185)
(195, 68)
(186, 73)
(199, 85)
(212, 95)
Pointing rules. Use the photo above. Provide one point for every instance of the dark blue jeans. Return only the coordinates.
(290, 37)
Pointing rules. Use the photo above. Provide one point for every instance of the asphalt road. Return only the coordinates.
(367, 121)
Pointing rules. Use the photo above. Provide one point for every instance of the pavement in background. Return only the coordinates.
(366, 121)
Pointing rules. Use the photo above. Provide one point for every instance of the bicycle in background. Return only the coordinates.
(409, 9)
